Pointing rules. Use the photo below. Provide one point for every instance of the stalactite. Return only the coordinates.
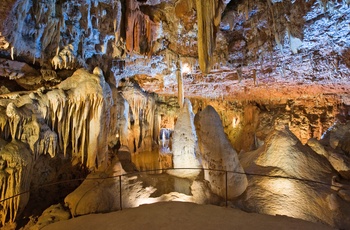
(16, 164)
(12, 53)
(140, 133)
(180, 86)
(140, 30)
(208, 17)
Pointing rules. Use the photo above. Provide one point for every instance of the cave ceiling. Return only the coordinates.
(236, 50)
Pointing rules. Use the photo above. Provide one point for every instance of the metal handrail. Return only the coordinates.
(165, 169)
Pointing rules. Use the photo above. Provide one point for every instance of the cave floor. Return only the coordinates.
(182, 215)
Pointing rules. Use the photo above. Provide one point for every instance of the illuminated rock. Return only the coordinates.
(136, 118)
(208, 19)
(140, 31)
(73, 114)
(217, 154)
(184, 144)
(100, 192)
(291, 179)
(16, 165)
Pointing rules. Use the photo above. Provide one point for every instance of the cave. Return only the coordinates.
(107, 105)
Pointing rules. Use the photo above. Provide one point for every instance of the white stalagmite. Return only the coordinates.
(185, 144)
(217, 153)
(180, 88)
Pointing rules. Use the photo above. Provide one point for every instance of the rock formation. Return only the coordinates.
(16, 169)
(217, 154)
(184, 145)
(208, 18)
(291, 179)
(83, 81)
(67, 120)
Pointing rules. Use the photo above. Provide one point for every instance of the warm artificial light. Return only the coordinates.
(235, 122)
(185, 68)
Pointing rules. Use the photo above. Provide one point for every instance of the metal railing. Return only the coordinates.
(225, 172)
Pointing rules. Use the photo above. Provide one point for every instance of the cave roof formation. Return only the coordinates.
(225, 49)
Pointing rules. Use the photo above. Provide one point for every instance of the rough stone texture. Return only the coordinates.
(273, 64)
(54, 213)
(296, 182)
(184, 145)
(136, 119)
(98, 193)
(208, 19)
(16, 165)
(217, 154)
(140, 30)
(262, 49)
(52, 123)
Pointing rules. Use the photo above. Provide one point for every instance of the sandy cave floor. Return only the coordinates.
(182, 215)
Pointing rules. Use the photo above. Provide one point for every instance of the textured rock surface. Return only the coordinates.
(66, 121)
(98, 193)
(261, 65)
(54, 213)
(217, 154)
(184, 145)
(299, 182)
(16, 165)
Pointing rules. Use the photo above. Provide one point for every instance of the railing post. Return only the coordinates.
(226, 188)
(120, 192)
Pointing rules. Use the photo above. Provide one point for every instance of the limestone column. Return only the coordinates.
(180, 86)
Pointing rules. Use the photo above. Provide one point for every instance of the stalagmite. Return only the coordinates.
(180, 86)
(283, 157)
(218, 154)
(185, 144)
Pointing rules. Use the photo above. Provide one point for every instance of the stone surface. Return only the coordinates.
(291, 179)
(184, 144)
(217, 154)
(16, 165)
(261, 65)
(98, 193)
(54, 213)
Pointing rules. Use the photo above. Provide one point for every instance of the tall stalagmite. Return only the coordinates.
(185, 144)
(218, 154)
